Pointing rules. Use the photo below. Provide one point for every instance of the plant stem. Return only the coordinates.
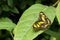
(56, 3)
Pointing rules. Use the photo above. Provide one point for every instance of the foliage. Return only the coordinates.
(17, 18)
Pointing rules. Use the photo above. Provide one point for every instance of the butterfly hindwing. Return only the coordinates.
(42, 23)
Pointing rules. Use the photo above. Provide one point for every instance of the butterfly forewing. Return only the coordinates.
(42, 23)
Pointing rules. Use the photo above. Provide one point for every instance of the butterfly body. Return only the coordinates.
(42, 23)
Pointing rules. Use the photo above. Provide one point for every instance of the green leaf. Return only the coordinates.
(10, 3)
(24, 29)
(5, 8)
(54, 34)
(58, 12)
(6, 23)
(14, 10)
(52, 38)
(38, 1)
(23, 5)
(50, 13)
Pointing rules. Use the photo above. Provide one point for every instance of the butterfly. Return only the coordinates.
(42, 23)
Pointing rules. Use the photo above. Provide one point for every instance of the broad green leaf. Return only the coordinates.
(5, 8)
(50, 13)
(14, 10)
(24, 29)
(58, 12)
(10, 3)
(52, 38)
(6, 23)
